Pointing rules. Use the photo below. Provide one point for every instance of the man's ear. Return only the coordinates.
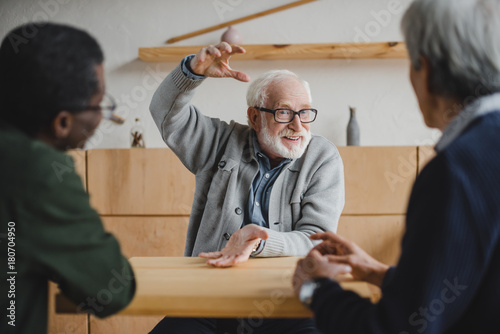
(254, 118)
(62, 124)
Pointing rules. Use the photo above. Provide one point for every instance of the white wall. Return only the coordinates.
(380, 90)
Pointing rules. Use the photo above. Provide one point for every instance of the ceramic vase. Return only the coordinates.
(231, 36)
(352, 129)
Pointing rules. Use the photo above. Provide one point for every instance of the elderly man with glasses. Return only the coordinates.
(263, 188)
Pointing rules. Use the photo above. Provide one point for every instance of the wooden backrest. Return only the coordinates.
(378, 182)
(145, 195)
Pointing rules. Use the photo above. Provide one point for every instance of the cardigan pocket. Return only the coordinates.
(220, 183)
(291, 212)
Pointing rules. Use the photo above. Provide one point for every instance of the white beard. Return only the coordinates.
(275, 145)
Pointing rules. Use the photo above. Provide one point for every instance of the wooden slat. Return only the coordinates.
(425, 154)
(378, 180)
(206, 291)
(149, 236)
(198, 262)
(139, 182)
(64, 323)
(287, 51)
(240, 20)
(120, 324)
(233, 292)
(379, 236)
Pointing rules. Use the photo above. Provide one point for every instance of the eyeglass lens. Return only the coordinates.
(286, 115)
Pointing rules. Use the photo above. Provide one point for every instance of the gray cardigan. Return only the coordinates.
(307, 197)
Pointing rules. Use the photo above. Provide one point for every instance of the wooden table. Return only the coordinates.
(188, 287)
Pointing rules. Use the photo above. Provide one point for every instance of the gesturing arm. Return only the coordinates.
(194, 137)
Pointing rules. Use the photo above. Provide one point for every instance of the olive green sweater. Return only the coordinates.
(48, 231)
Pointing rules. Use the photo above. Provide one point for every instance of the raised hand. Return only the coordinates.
(238, 248)
(339, 250)
(213, 61)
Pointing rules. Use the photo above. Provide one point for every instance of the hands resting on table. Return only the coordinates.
(331, 258)
(238, 248)
(336, 256)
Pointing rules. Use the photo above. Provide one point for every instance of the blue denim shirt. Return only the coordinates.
(258, 201)
(260, 193)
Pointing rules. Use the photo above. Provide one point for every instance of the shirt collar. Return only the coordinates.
(480, 107)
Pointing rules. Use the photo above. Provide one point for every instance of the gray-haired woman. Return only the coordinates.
(447, 279)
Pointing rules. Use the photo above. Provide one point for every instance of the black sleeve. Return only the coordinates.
(418, 295)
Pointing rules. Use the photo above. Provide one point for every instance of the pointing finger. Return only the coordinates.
(237, 49)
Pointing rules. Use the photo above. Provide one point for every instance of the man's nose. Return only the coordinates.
(295, 124)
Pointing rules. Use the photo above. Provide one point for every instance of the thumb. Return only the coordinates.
(315, 253)
(262, 234)
(337, 259)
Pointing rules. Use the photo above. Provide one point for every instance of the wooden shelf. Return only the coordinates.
(287, 51)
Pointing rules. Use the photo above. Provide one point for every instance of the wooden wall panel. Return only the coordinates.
(66, 323)
(149, 236)
(378, 180)
(142, 236)
(425, 154)
(139, 182)
(120, 324)
(379, 236)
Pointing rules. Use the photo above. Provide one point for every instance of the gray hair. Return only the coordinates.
(461, 41)
(257, 92)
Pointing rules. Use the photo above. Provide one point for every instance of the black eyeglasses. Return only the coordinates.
(282, 115)
(106, 107)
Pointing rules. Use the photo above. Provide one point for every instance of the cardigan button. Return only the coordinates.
(238, 211)
(227, 236)
(222, 164)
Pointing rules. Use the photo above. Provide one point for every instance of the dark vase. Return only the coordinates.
(353, 129)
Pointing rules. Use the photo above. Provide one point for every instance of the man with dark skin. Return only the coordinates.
(52, 95)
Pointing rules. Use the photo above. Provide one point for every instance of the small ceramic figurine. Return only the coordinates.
(231, 36)
(137, 135)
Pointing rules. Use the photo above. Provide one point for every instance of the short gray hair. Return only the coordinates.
(461, 41)
(257, 92)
